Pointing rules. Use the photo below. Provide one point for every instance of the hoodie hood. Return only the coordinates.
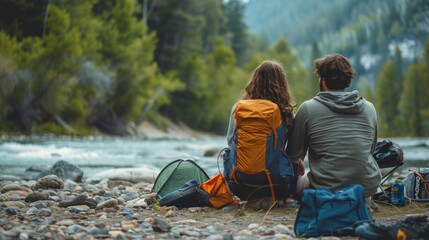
(342, 102)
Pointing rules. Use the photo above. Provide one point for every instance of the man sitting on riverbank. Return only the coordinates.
(339, 130)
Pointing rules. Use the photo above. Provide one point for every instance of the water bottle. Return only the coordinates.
(397, 195)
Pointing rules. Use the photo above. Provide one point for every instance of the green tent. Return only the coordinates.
(176, 174)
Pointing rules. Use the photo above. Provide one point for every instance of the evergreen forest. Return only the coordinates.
(78, 67)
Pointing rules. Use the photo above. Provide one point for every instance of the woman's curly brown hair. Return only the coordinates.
(269, 81)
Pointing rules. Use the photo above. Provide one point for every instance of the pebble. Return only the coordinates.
(140, 202)
(45, 212)
(14, 197)
(4, 197)
(11, 210)
(129, 224)
(75, 228)
(78, 189)
(281, 229)
(160, 225)
(269, 232)
(70, 185)
(99, 231)
(20, 193)
(41, 204)
(129, 196)
(107, 204)
(170, 213)
(32, 211)
(253, 226)
(36, 196)
(10, 187)
(49, 181)
(245, 232)
(17, 204)
(78, 209)
(212, 229)
(80, 199)
(185, 221)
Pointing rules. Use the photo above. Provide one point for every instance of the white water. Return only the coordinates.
(97, 155)
(94, 156)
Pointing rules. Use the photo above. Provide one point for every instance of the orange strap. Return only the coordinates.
(273, 194)
(425, 184)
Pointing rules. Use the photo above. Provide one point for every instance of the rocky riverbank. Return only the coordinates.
(62, 204)
(51, 208)
(112, 209)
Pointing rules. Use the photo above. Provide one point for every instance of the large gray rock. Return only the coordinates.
(64, 170)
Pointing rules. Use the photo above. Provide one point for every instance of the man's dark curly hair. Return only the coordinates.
(336, 70)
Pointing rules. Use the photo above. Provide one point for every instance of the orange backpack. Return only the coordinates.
(255, 163)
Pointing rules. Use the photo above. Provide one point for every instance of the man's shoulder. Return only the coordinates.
(369, 105)
(309, 104)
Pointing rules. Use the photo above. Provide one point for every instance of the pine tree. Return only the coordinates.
(235, 30)
(414, 104)
(127, 48)
(410, 104)
(385, 105)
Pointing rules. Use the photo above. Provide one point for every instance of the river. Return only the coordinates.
(94, 155)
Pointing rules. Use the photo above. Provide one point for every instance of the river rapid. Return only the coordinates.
(97, 154)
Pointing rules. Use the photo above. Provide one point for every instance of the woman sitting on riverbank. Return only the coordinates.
(255, 163)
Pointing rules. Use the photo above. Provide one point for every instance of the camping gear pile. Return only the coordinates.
(183, 184)
(323, 212)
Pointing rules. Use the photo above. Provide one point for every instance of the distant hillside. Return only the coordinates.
(366, 31)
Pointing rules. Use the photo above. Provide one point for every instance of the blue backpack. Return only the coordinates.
(326, 213)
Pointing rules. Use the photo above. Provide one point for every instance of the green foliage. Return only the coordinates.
(225, 83)
(389, 90)
(412, 99)
(51, 128)
(301, 85)
(414, 103)
(235, 30)
(179, 26)
(83, 62)
(386, 93)
(69, 65)
(7, 78)
(362, 30)
(367, 91)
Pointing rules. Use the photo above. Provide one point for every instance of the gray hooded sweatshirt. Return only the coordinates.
(339, 131)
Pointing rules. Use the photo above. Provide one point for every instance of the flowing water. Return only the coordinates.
(95, 155)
